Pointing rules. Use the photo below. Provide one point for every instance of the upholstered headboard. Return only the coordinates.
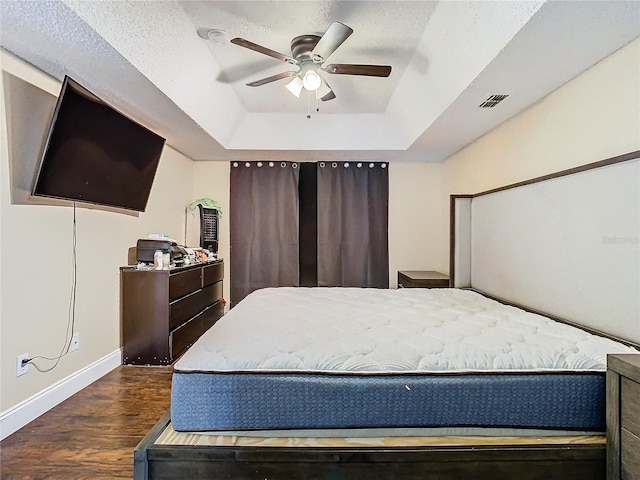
(565, 244)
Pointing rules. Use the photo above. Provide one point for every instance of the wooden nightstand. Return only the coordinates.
(422, 279)
(623, 417)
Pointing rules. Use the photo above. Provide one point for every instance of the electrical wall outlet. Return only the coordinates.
(75, 342)
(22, 368)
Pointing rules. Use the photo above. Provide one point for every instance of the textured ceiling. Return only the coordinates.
(147, 59)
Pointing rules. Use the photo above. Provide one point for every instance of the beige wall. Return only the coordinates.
(418, 207)
(211, 180)
(594, 116)
(36, 264)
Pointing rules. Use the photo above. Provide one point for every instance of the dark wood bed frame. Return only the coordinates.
(495, 462)
(568, 461)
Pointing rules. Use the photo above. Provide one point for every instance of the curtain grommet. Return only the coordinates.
(334, 164)
(271, 164)
(259, 164)
(322, 164)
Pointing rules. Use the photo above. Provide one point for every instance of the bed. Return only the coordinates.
(336, 358)
(456, 402)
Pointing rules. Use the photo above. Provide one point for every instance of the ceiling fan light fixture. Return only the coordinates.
(311, 80)
(322, 90)
(294, 86)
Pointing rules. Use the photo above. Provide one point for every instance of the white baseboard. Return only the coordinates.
(19, 415)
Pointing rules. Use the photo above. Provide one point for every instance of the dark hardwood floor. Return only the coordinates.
(92, 434)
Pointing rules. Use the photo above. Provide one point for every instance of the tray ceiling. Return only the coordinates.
(147, 59)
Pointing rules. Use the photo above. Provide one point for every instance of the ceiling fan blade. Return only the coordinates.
(324, 92)
(366, 70)
(272, 78)
(264, 50)
(330, 41)
(295, 86)
(328, 96)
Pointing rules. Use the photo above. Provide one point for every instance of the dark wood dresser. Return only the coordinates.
(623, 417)
(422, 279)
(164, 311)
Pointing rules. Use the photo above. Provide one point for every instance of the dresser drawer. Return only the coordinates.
(183, 283)
(212, 273)
(211, 294)
(185, 336)
(186, 307)
(630, 405)
(630, 456)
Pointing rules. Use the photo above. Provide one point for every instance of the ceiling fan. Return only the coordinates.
(309, 53)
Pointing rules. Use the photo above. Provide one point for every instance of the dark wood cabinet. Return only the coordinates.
(422, 279)
(623, 417)
(164, 311)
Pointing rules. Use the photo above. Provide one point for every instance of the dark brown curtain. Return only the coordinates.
(263, 226)
(353, 240)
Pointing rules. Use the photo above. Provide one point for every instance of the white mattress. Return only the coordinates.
(375, 331)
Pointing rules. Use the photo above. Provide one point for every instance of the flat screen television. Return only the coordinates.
(95, 154)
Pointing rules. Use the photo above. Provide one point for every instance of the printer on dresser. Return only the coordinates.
(163, 312)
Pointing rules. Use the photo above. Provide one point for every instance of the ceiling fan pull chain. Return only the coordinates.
(308, 114)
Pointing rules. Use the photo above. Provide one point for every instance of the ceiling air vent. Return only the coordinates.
(492, 101)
